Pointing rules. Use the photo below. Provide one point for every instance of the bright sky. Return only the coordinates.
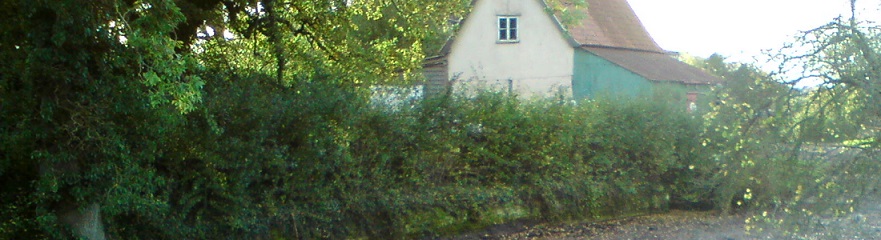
(738, 29)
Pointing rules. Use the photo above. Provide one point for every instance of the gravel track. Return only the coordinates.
(865, 223)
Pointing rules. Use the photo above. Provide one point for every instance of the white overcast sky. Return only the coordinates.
(738, 29)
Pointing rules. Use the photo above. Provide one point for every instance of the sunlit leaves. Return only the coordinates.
(165, 70)
(360, 43)
(803, 129)
(569, 12)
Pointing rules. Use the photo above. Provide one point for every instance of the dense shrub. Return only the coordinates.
(315, 160)
(320, 162)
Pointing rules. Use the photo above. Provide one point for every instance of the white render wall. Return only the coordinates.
(540, 64)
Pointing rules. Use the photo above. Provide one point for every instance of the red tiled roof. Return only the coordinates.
(612, 23)
(611, 30)
(655, 66)
(608, 23)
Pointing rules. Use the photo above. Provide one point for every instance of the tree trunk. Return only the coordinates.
(85, 223)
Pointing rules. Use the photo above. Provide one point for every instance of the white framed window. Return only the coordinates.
(508, 29)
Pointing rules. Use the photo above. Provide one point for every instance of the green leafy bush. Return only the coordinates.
(122, 111)
(257, 160)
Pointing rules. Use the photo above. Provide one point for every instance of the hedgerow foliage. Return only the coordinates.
(129, 119)
(325, 163)
(257, 160)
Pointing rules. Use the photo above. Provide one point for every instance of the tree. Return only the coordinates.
(783, 146)
(78, 126)
(96, 99)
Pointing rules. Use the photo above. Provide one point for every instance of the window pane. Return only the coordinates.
(503, 23)
(503, 35)
(513, 22)
(513, 34)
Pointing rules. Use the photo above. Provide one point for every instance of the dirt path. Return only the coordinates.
(671, 225)
(865, 223)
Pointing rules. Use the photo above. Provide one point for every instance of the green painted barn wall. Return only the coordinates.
(594, 77)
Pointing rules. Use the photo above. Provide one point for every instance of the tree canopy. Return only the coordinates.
(95, 96)
(203, 119)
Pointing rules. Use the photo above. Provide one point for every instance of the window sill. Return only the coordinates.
(507, 41)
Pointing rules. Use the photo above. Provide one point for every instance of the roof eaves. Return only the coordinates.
(448, 45)
(572, 41)
(586, 46)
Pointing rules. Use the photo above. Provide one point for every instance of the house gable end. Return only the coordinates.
(538, 61)
(608, 29)
(448, 45)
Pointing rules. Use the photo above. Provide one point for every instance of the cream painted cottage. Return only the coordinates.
(518, 46)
